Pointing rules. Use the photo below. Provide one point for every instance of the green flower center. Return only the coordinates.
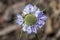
(30, 19)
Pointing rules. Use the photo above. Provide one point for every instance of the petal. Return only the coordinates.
(43, 18)
(40, 23)
(29, 31)
(27, 9)
(27, 28)
(34, 9)
(37, 13)
(19, 19)
(24, 28)
(34, 29)
(40, 14)
(19, 16)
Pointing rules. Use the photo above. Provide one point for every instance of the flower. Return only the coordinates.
(31, 19)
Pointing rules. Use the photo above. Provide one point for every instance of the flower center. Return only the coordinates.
(30, 19)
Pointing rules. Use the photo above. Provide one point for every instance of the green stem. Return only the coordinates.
(37, 2)
(25, 35)
(37, 36)
(44, 9)
(20, 34)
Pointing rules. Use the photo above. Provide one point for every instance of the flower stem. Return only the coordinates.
(20, 34)
(37, 2)
(44, 9)
(37, 37)
(27, 36)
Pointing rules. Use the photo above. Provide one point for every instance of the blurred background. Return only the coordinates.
(9, 29)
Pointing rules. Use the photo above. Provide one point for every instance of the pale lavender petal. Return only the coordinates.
(19, 19)
(19, 16)
(24, 27)
(34, 29)
(19, 22)
(37, 13)
(41, 23)
(34, 9)
(27, 9)
(24, 13)
(29, 31)
(40, 14)
(27, 28)
(43, 18)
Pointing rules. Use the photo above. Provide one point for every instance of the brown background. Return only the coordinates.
(9, 30)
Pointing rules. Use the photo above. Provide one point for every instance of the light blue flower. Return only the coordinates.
(40, 19)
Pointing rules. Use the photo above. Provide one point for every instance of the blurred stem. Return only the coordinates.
(27, 36)
(37, 36)
(44, 9)
(20, 34)
(37, 2)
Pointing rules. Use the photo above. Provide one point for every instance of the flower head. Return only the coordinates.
(32, 19)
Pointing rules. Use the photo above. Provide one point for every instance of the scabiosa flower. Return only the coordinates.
(31, 19)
